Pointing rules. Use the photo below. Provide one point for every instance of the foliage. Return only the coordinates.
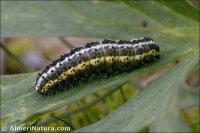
(174, 25)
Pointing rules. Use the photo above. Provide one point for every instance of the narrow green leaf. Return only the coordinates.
(124, 19)
(188, 98)
(176, 33)
(183, 8)
(168, 117)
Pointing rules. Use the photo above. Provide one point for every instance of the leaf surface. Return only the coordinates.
(175, 30)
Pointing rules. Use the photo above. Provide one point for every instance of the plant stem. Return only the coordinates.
(15, 58)
(122, 94)
(64, 122)
(66, 43)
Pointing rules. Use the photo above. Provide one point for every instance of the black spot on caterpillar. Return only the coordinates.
(95, 58)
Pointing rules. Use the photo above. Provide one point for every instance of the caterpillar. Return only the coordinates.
(95, 58)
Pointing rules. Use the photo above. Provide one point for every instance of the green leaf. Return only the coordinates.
(97, 19)
(188, 98)
(175, 30)
(156, 103)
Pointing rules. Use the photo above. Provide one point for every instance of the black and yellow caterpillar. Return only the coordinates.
(95, 58)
